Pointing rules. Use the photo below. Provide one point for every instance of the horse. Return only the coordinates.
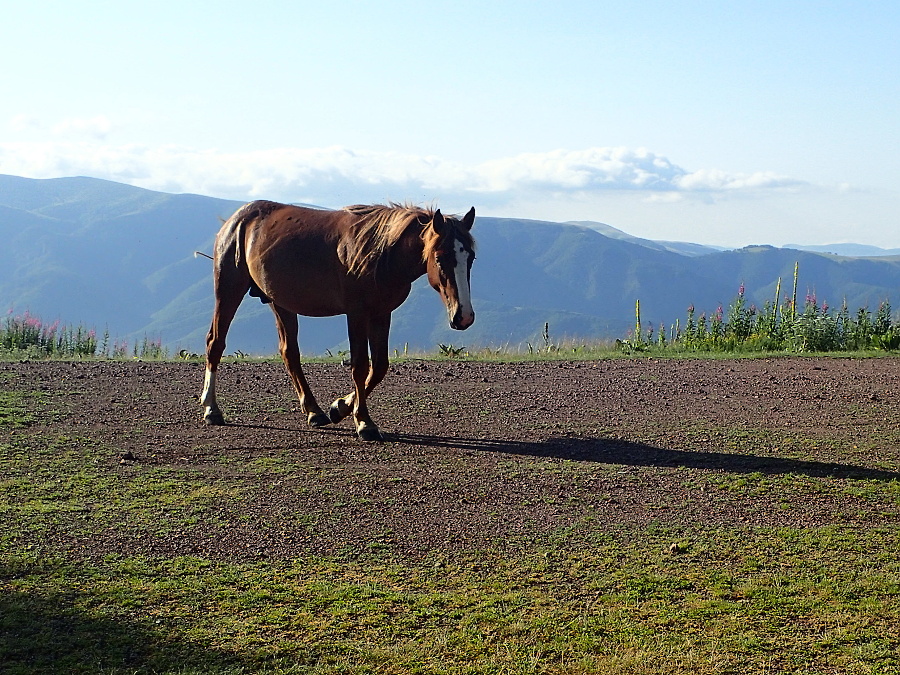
(360, 261)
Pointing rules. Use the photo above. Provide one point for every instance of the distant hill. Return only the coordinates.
(851, 250)
(683, 247)
(113, 256)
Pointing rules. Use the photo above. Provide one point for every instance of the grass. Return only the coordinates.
(14, 411)
(654, 599)
(730, 601)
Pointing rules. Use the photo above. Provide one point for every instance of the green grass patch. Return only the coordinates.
(787, 600)
(70, 483)
(14, 409)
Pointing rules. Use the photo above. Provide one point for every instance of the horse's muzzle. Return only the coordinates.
(461, 321)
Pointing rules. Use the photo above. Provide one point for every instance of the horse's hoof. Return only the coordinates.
(370, 435)
(214, 419)
(338, 411)
(317, 420)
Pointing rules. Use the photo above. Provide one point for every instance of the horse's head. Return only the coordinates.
(449, 253)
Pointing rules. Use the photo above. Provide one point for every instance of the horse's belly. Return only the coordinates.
(304, 283)
(306, 299)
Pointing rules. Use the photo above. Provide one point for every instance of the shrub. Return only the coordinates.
(779, 327)
(28, 334)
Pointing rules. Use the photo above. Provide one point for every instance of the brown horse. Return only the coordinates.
(360, 261)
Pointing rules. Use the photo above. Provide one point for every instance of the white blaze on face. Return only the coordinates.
(467, 314)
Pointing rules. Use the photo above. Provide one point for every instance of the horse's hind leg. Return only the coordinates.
(223, 314)
(231, 284)
(290, 354)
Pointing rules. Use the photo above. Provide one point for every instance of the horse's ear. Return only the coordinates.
(437, 222)
(468, 220)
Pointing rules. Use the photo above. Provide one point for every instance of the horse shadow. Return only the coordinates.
(631, 454)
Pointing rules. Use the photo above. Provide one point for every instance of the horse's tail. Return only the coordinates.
(239, 234)
(234, 230)
(231, 241)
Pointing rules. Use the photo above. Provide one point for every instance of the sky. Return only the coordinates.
(721, 123)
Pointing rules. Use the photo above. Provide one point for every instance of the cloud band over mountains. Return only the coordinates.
(336, 175)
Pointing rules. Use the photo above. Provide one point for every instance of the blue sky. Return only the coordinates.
(716, 122)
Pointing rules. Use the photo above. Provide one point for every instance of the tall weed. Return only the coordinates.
(27, 334)
(779, 326)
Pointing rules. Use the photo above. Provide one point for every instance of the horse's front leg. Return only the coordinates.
(211, 413)
(364, 334)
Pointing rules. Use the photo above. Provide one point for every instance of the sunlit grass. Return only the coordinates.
(783, 600)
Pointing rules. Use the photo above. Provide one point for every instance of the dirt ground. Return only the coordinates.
(482, 455)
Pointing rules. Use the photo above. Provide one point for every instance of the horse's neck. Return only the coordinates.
(406, 259)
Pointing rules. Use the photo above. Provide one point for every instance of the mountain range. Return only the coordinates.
(120, 258)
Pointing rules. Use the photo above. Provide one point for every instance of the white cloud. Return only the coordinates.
(634, 189)
(97, 127)
(580, 170)
(716, 180)
(94, 128)
(338, 175)
(24, 123)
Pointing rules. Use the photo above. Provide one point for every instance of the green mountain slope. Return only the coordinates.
(104, 254)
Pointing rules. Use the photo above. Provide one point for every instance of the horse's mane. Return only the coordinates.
(377, 228)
